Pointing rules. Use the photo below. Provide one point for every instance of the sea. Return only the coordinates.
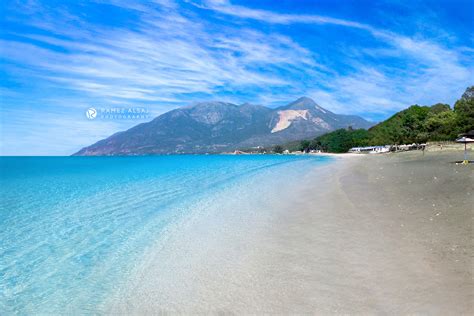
(72, 229)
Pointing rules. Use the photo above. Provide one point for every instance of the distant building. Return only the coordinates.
(370, 150)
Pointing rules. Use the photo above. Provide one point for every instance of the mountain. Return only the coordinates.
(218, 126)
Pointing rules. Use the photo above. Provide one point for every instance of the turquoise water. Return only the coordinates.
(72, 227)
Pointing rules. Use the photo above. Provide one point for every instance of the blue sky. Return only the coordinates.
(371, 58)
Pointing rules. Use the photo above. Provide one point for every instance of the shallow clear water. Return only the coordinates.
(72, 227)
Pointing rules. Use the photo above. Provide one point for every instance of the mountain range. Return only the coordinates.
(214, 127)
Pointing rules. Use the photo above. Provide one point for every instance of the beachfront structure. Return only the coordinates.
(370, 149)
(406, 147)
(386, 148)
(465, 140)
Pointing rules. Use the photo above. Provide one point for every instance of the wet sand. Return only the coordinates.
(388, 234)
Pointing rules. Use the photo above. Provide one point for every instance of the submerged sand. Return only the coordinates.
(387, 234)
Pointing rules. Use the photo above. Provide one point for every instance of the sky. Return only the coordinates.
(369, 58)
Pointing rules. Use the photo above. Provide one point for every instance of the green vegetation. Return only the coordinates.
(417, 124)
(464, 109)
(339, 141)
(278, 149)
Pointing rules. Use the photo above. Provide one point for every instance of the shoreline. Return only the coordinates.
(383, 234)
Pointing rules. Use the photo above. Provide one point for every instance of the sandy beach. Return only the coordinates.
(388, 234)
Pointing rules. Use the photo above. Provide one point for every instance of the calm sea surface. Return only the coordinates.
(72, 227)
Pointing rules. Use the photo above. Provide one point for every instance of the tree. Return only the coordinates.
(441, 126)
(278, 149)
(360, 138)
(439, 107)
(316, 144)
(464, 110)
(338, 141)
(305, 146)
(402, 128)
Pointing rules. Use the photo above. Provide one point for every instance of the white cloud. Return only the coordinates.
(168, 54)
(225, 7)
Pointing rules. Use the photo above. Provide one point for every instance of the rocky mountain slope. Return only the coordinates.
(213, 127)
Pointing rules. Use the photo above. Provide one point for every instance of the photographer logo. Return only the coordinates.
(91, 113)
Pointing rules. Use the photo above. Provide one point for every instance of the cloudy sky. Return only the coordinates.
(371, 58)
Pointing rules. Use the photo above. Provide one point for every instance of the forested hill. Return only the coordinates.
(417, 124)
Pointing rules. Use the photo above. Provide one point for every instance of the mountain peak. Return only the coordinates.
(303, 103)
(305, 100)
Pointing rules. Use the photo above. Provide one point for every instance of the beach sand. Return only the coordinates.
(385, 234)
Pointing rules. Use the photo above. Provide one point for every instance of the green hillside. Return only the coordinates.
(417, 124)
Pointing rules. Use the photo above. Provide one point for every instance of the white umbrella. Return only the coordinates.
(465, 140)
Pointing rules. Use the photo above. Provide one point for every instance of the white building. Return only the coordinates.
(370, 149)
